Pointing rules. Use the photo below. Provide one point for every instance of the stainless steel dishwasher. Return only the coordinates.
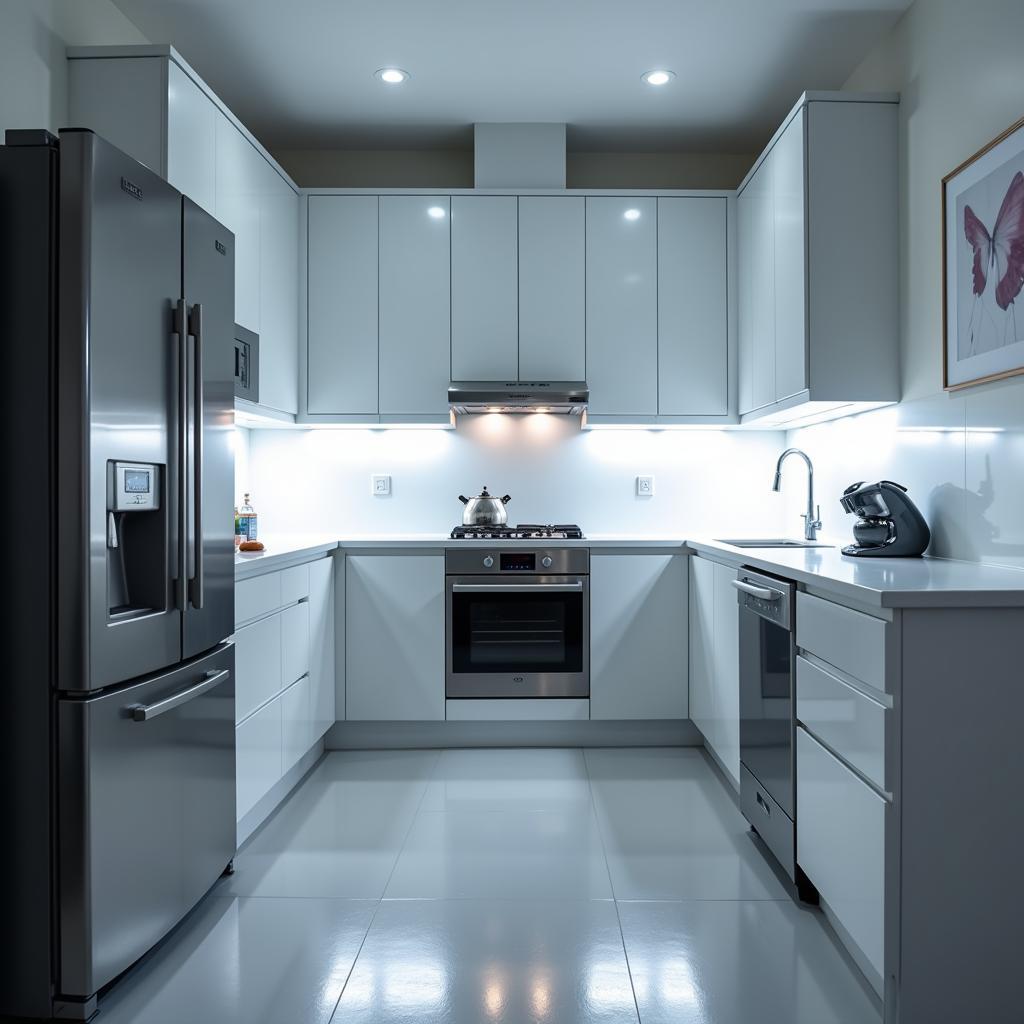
(768, 716)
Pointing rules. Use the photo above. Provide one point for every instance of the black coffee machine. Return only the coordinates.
(889, 523)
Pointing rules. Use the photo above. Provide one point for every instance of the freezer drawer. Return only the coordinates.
(146, 812)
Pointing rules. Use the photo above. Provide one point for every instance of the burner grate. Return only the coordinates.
(521, 531)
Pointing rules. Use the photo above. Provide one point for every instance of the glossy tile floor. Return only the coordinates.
(471, 886)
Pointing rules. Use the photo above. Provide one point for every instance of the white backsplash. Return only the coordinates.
(714, 483)
(961, 456)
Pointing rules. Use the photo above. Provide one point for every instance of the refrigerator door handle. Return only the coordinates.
(144, 712)
(197, 582)
(180, 508)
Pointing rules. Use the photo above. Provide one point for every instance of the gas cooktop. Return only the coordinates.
(521, 531)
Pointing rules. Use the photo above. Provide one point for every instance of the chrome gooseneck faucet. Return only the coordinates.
(811, 518)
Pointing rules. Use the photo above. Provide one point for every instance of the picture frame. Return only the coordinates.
(983, 264)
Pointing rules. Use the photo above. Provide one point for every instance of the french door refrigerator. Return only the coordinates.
(117, 740)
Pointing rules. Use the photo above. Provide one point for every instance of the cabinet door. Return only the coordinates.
(415, 306)
(279, 292)
(321, 646)
(638, 640)
(394, 628)
(788, 189)
(552, 288)
(191, 139)
(693, 309)
(702, 640)
(745, 210)
(294, 642)
(296, 723)
(257, 664)
(841, 843)
(342, 305)
(485, 310)
(622, 306)
(238, 173)
(725, 669)
(257, 756)
(758, 352)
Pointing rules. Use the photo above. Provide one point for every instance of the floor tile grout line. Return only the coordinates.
(611, 883)
(387, 882)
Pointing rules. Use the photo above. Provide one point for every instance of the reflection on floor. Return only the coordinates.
(474, 886)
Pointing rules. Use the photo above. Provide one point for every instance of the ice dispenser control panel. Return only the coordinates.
(136, 487)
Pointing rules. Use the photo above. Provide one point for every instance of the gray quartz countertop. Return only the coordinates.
(879, 582)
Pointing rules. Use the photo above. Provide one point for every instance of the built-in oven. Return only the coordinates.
(517, 622)
(767, 711)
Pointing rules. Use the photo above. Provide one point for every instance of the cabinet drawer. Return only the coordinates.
(294, 643)
(294, 584)
(257, 756)
(840, 843)
(257, 596)
(852, 641)
(850, 722)
(257, 665)
(296, 724)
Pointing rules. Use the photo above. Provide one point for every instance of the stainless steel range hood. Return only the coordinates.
(566, 397)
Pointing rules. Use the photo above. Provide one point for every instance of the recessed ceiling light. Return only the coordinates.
(632, 213)
(393, 76)
(659, 77)
(437, 212)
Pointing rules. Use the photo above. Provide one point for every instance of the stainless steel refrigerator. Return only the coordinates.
(117, 743)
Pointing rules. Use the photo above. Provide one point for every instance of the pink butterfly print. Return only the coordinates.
(1003, 249)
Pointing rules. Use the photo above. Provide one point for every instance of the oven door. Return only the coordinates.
(526, 637)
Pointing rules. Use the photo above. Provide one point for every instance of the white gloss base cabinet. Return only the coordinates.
(841, 844)
(714, 661)
(394, 637)
(638, 636)
(284, 667)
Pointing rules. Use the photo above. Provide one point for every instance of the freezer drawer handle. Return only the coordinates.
(762, 592)
(762, 803)
(144, 712)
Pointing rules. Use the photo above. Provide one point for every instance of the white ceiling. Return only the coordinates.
(299, 73)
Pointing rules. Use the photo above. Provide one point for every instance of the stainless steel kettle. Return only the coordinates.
(484, 509)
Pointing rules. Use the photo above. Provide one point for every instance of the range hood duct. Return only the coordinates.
(519, 155)
(566, 397)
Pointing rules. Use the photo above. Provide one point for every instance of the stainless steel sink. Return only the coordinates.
(772, 542)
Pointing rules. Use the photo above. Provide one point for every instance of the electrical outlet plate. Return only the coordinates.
(380, 485)
(645, 486)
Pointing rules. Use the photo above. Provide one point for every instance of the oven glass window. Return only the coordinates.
(517, 632)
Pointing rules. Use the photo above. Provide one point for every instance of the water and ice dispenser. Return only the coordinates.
(136, 540)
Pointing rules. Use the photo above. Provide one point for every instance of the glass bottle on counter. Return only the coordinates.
(238, 528)
(247, 519)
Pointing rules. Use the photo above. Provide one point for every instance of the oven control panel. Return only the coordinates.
(514, 561)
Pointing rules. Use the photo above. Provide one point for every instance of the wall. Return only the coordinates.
(453, 168)
(33, 69)
(958, 69)
(716, 483)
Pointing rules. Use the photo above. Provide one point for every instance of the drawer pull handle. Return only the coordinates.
(763, 804)
(146, 712)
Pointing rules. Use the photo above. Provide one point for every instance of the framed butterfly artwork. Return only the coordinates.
(983, 264)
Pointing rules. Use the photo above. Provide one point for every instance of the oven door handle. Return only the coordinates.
(517, 588)
(762, 592)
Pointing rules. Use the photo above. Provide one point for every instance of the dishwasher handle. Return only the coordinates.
(764, 593)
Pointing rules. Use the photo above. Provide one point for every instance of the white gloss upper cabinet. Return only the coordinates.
(622, 306)
(341, 282)
(484, 288)
(552, 288)
(394, 630)
(415, 310)
(818, 247)
(638, 646)
(693, 307)
(790, 271)
(191, 139)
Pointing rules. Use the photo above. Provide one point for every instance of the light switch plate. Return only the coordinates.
(380, 485)
(645, 486)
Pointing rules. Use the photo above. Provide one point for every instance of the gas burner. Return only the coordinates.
(521, 531)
